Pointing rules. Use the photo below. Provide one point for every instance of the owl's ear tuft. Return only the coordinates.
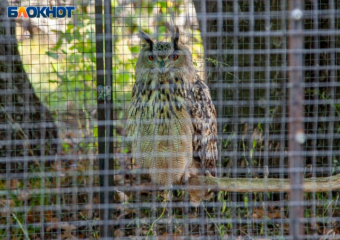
(146, 39)
(175, 37)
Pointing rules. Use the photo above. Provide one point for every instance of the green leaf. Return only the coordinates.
(245, 201)
(224, 207)
(77, 35)
(69, 37)
(95, 132)
(58, 44)
(52, 55)
(53, 81)
(254, 143)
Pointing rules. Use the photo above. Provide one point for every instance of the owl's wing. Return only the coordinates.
(203, 115)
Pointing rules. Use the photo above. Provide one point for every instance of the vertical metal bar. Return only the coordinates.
(43, 123)
(220, 74)
(235, 112)
(330, 140)
(267, 107)
(108, 110)
(89, 141)
(27, 105)
(267, 79)
(203, 22)
(219, 92)
(206, 44)
(316, 45)
(296, 116)
(283, 127)
(8, 27)
(186, 203)
(101, 111)
(251, 115)
(58, 186)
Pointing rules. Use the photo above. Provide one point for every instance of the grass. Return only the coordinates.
(151, 230)
(23, 229)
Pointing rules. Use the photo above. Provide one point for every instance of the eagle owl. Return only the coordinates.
(171, 121)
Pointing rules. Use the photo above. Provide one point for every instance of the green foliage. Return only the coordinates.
(75, 64)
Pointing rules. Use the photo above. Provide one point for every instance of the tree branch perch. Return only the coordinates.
(242, 185)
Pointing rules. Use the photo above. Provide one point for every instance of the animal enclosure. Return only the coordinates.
(67, 168)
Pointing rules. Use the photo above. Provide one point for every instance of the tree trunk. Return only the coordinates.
(28, 130)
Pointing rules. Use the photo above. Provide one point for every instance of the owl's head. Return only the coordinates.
(163, 57)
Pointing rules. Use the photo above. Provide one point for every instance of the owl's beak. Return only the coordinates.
(161, 66)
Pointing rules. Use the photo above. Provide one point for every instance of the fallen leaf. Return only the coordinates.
(119, 233)
(67, 230)
(121, 196)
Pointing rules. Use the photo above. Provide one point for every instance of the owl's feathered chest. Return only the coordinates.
(160, 96)
(159, 123)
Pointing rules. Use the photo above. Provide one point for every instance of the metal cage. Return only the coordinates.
(67, 171)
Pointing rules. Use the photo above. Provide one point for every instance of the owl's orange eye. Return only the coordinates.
(173, 57)
(152, 57)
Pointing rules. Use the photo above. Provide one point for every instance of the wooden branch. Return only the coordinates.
(242, 185)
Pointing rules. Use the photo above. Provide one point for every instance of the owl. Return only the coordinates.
(171, 122)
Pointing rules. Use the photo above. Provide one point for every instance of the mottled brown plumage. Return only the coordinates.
(171, 121)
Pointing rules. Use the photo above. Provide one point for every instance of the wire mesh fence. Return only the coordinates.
(170, 119)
